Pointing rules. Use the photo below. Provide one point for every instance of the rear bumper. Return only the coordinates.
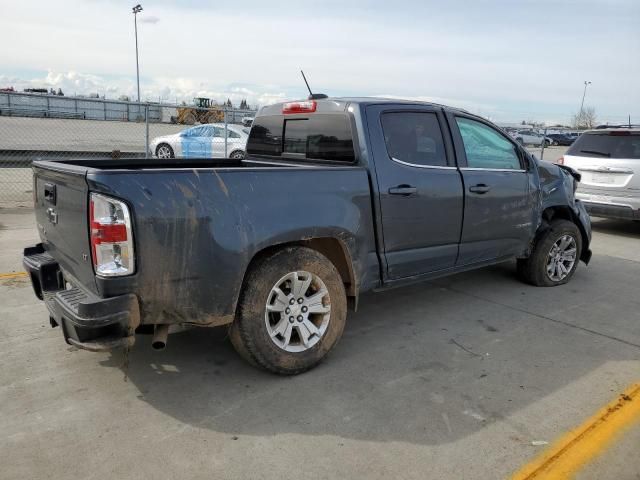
(87, 321)
(609, 206)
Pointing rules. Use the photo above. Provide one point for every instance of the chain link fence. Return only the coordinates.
(54, 128)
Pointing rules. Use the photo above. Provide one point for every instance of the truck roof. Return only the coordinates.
(338, 104)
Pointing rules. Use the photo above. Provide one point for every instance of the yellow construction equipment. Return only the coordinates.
(203, 111)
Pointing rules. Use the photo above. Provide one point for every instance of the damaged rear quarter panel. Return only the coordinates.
(196, 230)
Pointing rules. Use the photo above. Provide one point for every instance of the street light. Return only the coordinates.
(583, 95)
(136, 10)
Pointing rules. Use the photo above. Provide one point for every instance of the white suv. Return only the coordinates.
(609, 161)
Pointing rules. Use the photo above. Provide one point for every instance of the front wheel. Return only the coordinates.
(164, 151)
(291, 312)
(555, 256)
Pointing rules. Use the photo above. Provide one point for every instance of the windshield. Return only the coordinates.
(624, 145)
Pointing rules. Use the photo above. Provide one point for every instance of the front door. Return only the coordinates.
(420, 190)
(498, 202)
(197, 141)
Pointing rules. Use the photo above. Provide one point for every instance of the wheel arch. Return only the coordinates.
(333, 248)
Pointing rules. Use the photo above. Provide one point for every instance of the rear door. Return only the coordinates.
(217, 143)
(61, 200)
(420, 189)
(498, 205)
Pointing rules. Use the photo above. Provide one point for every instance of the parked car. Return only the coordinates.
(609, 162)
(201, 141)
(336, 197)
(560, 139)
(529, 137)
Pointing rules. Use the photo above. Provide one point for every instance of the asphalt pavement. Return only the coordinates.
(465, 377)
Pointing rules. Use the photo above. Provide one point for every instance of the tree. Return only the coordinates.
(585, 119)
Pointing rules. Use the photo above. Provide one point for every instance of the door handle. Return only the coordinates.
(480, 188)
(404, 190)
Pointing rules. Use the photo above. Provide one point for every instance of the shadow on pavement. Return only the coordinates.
(426, 364)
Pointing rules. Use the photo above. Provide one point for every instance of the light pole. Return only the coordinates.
(583, 95)
(136, 10)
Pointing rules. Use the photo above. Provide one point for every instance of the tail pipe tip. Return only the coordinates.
(160, 334)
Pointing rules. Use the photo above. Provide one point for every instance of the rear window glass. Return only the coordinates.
(606, 146)
(318, 137)
(265, 137)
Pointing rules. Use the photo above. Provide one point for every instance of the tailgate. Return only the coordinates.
(61, 198)
(615, 175)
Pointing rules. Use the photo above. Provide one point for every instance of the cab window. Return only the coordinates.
(485, 147)
(414, 137)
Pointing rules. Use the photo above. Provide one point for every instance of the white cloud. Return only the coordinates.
(165, 89)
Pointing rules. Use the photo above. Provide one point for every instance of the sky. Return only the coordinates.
(508, 60)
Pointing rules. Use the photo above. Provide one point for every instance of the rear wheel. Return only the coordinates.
(555, 256)
(292, 311)
(164, 151)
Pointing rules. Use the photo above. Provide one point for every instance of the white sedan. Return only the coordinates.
(202, 141)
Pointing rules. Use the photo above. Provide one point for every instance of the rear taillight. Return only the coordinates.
(560, 161)
(111, 238)
(299, 107)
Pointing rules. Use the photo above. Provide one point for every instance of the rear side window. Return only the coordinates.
(414, 137)
(622, 145)
(317, 137)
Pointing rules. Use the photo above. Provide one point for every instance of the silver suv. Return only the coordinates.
(609, 161)
(529, 137)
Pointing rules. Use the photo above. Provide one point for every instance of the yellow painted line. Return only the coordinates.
(12, 275)
(582, 444)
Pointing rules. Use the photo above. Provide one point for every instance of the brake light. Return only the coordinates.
(560, 161)
(111, 238)
(299, 107)
(618, 133)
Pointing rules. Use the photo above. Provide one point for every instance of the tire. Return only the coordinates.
(535, 269)
(237, 155)
(236, 341)
(554, 143)
(547, 143)
(164, 151)
(260, 336)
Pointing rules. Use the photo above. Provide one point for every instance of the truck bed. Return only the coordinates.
(198, 224)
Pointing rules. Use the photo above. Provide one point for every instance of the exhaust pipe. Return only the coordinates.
(160, 334)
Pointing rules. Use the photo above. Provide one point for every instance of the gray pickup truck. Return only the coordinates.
(337, 196)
